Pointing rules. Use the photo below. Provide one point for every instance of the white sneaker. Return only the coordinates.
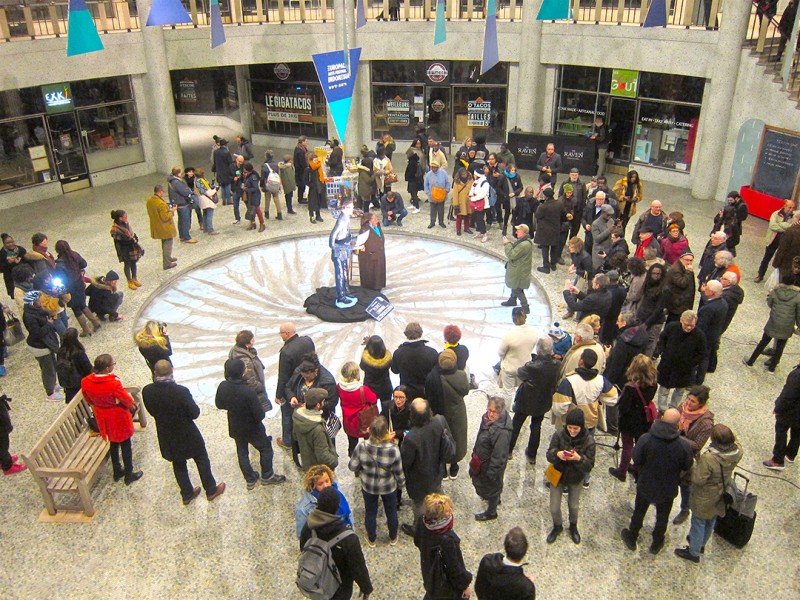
(236, 222)
(54, 398)
(485, 239)
(414, 210)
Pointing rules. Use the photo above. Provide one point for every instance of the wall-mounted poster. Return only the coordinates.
(289, 109)
(398, 112)
(479, 113)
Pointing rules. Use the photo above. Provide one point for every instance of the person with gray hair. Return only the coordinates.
(596, 302)
(784, 315)
(716, 243)
(539, 378)
(733, 294)
(490, 456)
(582, 339)
(711, 321)
(515, 349)
(681, 347)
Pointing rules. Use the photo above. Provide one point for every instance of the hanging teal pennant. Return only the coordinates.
(657, 14)
(554, 10)
(338, 78)
(82, 36)
(440, 33)
(217, 30)
(167, 12)
(490, 53)
(361, 17)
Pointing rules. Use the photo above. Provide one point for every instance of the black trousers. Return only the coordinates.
(662, 518)
(127, 457)
(185, 483)
(518, 422)
(5, 456)
(263, 444)
(769, 252)
(549, 256)
(781, 449)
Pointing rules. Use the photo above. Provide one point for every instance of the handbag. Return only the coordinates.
(476, 464)
(438, 194)
(390, 178)
(333, 425)
(553, 475)
(366, 415)
(13, 333)
(650, 410)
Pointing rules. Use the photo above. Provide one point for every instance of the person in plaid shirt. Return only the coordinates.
(377, 462)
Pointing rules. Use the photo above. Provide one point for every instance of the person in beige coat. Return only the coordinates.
(162, 225)
(515, 350)
(462, 183)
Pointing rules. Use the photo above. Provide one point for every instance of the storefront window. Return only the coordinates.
(579, 78)
(479, 111)
(205, 91)
(18, 103)
(665, 134)
(290, 109)
(397, 71)
(663, 86)
(397, 110)
(99, 91)
(111, 135)
(25, 158)
(470, 72)
(576, 112)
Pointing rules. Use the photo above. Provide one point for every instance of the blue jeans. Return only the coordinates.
(341, 257)
(699, 533)
(371, 513)
(236, 214)
(208, 219)
(184, 222)
(396, 218)
(286, 422)
(225, 190)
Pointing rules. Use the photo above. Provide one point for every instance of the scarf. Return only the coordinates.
(164, 379)
(688, 417)
(510, 175)
(121, 232)
(46, 255)
(439, 527)
(377, 230)
(640, 247)
(318, 169)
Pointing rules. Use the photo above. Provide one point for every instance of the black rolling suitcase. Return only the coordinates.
(740, 516)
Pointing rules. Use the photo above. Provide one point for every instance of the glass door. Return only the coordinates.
(620, 120)
(438, 113)
(70, 160)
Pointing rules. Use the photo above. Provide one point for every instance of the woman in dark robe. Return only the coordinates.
(372, 259)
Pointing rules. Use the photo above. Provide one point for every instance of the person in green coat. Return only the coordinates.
(316, 448)
(519, 253)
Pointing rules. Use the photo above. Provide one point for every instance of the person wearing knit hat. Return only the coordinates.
(571, 454)
(346, 553)
(445, 389)
(104, 299)
(42, 341)
(31, 297)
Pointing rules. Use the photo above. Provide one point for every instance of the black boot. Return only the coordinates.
(573, 533)
(553, 535)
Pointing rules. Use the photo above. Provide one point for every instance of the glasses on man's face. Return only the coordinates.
(492, 411)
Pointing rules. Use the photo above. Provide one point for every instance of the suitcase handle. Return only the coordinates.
(746, 479)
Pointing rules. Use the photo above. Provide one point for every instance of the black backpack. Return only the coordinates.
(68, 376)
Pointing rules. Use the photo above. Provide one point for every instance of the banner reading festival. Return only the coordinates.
(338, 81)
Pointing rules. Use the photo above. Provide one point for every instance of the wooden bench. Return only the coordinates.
(67, 458)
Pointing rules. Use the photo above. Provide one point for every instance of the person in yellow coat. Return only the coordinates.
(630, 192)
(162, 225)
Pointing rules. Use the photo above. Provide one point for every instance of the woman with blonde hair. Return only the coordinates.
(153, 343)
(377, 464)
(207, 201)
(594, 322)
(316, 479)
(440, 551)
(355, 398)
(636, 409)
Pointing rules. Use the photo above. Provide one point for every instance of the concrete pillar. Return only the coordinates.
(160, 116)
(531, 80)
(358, 125)
(707, 173)
(245, 101)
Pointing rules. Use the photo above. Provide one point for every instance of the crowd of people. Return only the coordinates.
(635, 364)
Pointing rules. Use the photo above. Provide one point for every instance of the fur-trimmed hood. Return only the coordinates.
(377, 363)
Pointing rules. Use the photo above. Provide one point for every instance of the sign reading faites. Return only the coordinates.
(479, 113)
(576, 151)
(57, 97)
(289, 109)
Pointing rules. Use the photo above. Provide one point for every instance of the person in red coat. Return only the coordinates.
(113, 409)
(354, 397)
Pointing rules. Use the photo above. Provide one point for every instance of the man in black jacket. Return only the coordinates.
(413, 360)
(662, 456)
(347, 554)
(608, 327)
(733, 294)
(245, 424)
(502, 578)
(295, 347)
(596, 302)
(423, 465)
(632, 340)
(539, 378)
(175, 411)
(787, 421)
(300, 159)
(711, 321)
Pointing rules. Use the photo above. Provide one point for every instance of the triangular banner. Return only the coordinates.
(338, 79)
(490, 53)
(217, 30)
(553, 10)
(167, 12)
(656, 14)
(361, 17)
(440, 33)
(82, 36)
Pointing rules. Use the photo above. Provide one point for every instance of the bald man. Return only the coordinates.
(654, 218)
(661, 455)
(295, 347)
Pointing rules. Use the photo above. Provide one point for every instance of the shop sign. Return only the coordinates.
(57, 97)
(187, 89)
(624, 83)
(437, 106)
(479, 113)
(437, 72)
(289, 109)
(398, 112)
(232, 95)
(282, 71)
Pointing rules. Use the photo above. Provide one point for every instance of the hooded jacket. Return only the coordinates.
(354, 397)
(41, 332)
(586, 389)
(784, 313)
(710, 477)
(499, 581)
(539, 378)
(491, 446)
(662, 456)
(102, 297)
(253, 372)
(572, 471)
(316, 447)
(376, 374)
(445, 390)
(630, 342)
(112, 406)
(308, 502)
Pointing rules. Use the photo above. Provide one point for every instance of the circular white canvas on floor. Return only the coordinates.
(432, 282)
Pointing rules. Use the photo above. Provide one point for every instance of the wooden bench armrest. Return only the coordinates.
(52, 472)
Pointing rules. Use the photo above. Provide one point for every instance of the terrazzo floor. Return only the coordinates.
(144, 544)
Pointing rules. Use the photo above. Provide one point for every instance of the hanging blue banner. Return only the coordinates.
(338, 82)
(553, 10)
(217, 30)
(440, 33)
(361, 16)
(490, 53)
(656, 14)
(82, 36)
(167, 12)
